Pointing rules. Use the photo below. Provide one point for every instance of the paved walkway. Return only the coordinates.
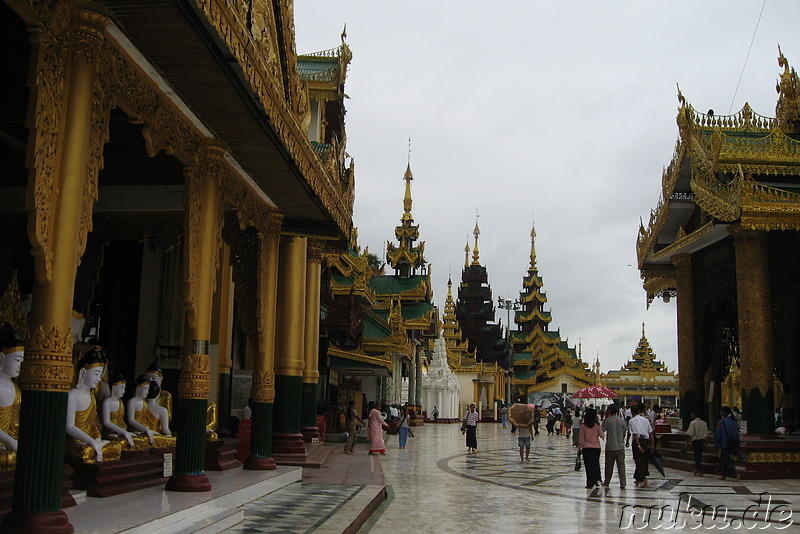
(434, 486)
(438, 488)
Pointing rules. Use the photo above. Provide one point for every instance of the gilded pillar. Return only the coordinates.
(689, 383)
(263, 391)
(308, 416)
(67, 133)
(221, 333)
(412, 377)
(289, 350)
(418, 373)
(755, 329)
(203, 239)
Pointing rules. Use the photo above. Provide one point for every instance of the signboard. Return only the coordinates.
(168, 464)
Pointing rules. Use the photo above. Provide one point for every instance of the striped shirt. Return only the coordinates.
(471, 418)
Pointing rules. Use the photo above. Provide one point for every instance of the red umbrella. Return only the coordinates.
(595, 392)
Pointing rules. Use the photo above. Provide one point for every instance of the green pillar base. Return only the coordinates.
(40, 460)
(190, 454)
(758, 411)
(261, 438)
(286, 437)
(308, 413)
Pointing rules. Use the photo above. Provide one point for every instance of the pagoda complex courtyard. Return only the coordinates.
(187, 310)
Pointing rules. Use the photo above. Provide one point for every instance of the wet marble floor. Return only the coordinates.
(438, 488)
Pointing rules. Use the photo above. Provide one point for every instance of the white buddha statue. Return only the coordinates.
(154, 373)
(82, 427)
(12, 352)
(113, 414)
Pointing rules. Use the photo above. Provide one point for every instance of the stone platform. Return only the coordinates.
(765, 456)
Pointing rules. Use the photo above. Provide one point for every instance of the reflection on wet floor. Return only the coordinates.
(439, 488)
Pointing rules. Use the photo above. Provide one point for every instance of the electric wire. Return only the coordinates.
(747, 57)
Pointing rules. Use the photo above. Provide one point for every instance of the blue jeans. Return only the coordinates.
(403, 433)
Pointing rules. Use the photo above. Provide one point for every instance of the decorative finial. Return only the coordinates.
(476, 232)
(344, 32)
(532, 266)
(642, 328)
(466, 254)
(408, 176)
(681, 98)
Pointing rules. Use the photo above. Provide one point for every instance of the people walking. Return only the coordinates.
(697, 434)
(524, 441)
(375, 431)
(470, 425)
(504, 415)
(352, 420)
(403, 427)
(643, 441)
(727, 439)
(536, 416)
(576, 427)
(615, 428)
(568, 423)
(589, 447)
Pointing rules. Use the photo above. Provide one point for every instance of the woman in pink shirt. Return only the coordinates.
(589, 445)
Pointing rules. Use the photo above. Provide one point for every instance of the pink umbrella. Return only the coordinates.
(595, 392)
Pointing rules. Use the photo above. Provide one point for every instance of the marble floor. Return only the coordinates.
(438, 488)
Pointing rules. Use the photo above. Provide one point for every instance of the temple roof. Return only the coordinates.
(643, 362)
(741, 169)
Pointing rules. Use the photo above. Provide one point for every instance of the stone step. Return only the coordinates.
(210, 521)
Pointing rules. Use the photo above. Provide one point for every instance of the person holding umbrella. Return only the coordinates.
(642, 434)
(589, 446)
(522, 418)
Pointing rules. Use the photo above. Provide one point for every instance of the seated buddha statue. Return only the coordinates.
(153, 373)
(112, 416)
(142, 420)
(12, 352)
(86, 443)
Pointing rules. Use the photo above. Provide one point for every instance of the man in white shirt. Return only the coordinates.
(643, 442)
(697, 434)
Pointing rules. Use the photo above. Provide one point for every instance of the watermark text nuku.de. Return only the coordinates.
(692, 514)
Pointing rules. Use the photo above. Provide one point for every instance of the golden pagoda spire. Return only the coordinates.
(476, 232)
(466, 254)
(408, 176)
(532, 266)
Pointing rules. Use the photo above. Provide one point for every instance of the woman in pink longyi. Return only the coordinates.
(375, 431)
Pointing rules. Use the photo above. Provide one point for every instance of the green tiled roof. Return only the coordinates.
(373, 329)
(415, 310)
(342, 280)
(313, 68)
(394, 285)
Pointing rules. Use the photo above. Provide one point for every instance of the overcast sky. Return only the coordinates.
(562, 112)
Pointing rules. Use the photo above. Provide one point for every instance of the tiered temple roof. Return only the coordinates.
(475, 310)
(727, 169)
(643, 374)
(540, 355)
(458, 353)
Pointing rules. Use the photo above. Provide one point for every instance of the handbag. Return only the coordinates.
(578, 461)
(410, 433)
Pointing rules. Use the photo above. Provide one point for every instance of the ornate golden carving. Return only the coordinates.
(195, 377)
(284, 104)
(48, 361)
(263, 386)
(756, 457)
(314, 251)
